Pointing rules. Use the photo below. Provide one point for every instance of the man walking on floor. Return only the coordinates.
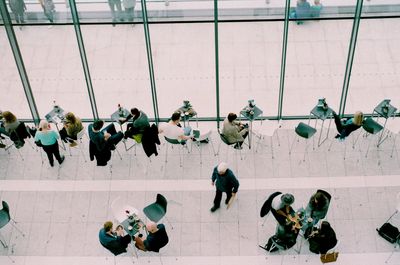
(224, 181)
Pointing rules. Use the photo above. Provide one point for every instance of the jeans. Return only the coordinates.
(52, 150)
(115, 14)
(115, 137)
(218, 197)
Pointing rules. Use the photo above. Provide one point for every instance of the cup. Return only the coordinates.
(130, 228)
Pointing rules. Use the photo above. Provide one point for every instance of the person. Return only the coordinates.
(224, 181)
(234, 131)
(48, 8)
(116, 14)
(72, 126)
(323, 239)
(285, 237)
(140, 121)
(115, 241)
(281, 208)
(173, 129)
(107, 138)
(48, 139)
(317, 207)
(10, 125)
(18, 8)
(129, 7)
(345, 128)
(303, 10)
(316, 8)
(155, 240)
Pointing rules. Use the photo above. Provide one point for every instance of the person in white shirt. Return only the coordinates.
(173, 130)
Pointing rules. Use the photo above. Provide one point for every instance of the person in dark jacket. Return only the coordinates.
(107, 138)
(150, 139)
(140, 121)
(114, 241)
(317, 207)
(155, 240)
(102, 157)
(322, 239)
(224, 181)
(344, 128)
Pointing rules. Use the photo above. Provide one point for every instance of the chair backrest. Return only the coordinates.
(172, 141)
(327, 195)
(204, 136)
(4, 214)
(371, 126)
(81, 134)
(267, 204)
(162, 202)
(224, 139)
(305, 130)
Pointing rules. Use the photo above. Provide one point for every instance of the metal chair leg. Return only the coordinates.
(14, 224)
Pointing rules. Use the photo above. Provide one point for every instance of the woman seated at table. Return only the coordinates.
(114, 241)
(156, 239)
(323, 239)
(234, 131)
(345, 127)
(10, 126)
(72, 126)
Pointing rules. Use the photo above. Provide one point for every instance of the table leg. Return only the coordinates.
(250, 132)
(381, 139)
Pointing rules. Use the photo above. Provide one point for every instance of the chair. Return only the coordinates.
(267, 128)
(157, 210)
(225, 141)
(393, 126)
(112, 155)
(371, 127)
(20, 133)
(265, 209)
(137, 138)
(5, 218)
(79, 138)
(204, 137)
(173, 142)
(305, 131)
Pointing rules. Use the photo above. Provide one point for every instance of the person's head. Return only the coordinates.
(222, 168)
(98, 124)
(108, 226)
(151, 227)
(9, 117)
(358, 118)
(70, 117)
(43, 125)
(176, 117)
(317, 2)
(319, 199)
(135, 112)
(287, 199)
(232, 117)
(325, 226)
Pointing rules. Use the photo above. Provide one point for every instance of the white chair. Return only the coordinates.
(80, 143)
(180, 146)
(266, 128)
(393, 127)
(112, 155)
(304, 131)
(204, 137)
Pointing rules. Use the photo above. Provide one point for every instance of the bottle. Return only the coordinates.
(120, 111)
(56, 107)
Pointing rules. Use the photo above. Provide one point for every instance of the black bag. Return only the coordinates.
(389, 232)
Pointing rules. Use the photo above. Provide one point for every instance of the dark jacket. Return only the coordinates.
(102, 157)
(225, 183)
(115, 244)
(20, 133)
(157, 240)
(97, 138)
(150, 139)
(322, 242)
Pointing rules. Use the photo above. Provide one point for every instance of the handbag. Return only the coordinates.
(329, 257)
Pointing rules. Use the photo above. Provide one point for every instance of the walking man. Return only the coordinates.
(224, 181)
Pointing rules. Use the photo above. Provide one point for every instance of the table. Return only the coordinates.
(56, 116)
(251, 113)
(120, 116)
(384, 110)
(188, 112)
(322, 114)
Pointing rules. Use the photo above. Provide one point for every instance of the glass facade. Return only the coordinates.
(154, 54)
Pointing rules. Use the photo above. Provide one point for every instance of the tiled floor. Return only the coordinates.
(61, 210)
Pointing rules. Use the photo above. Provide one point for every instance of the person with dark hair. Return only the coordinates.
(106, 138)
(323, 239)
(139, 122)
(173, 129)
(155, 240)
(234, 131)
(114, 241)
(317, 207)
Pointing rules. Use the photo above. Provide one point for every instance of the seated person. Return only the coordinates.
(10, 125)
(303, 10)
(72, 126)
(138, 124)
(344, 128)
(323, 239)
(234, 131)
(281, 208)
(156, 239)
(173, 129)
(114, 241)
(285, 238)
(106, 138)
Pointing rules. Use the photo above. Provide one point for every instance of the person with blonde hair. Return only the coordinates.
(346, 127)
(156, 239)
(48, 139)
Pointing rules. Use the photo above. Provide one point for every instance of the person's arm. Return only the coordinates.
(234, 182)
(214, 176)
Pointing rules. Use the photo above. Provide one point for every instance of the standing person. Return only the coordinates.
(156, 239)
(72, 126)
(48, 8)
(224, 181)
(234, 131)
(116, 14)
(48, 139)
(344, 128)
(107, 138)
(129, 6)
(18, 8)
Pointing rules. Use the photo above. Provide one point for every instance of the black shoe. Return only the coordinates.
(62, 160)
(2, 145)
(337, 136)
(238, 147)
(214, 208)
(112, 147)
(52, 164)
(227, 201)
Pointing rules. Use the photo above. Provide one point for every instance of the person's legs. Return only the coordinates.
(110, 129)
(129, 14)
(49, 151)
(116, 138)
(111, 4)
(119, 8)
(217, 199)
(228, 197)
(56, 152)
(338, 122)
(139, 244)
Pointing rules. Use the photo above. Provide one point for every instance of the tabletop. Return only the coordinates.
(251, 113)
(385, 109)
(120, 115)
(321, 113)
(56, 115)
(187, 111)
(132, 224)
